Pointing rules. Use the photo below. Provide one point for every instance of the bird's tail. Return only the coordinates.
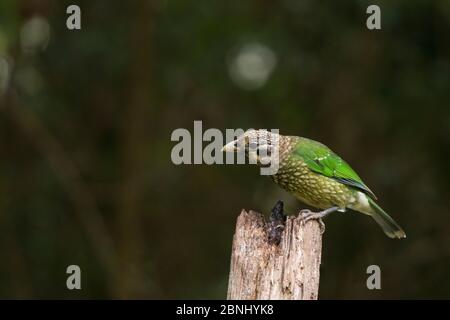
(389, 226)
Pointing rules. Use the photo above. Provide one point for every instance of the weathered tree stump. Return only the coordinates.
(283, 269)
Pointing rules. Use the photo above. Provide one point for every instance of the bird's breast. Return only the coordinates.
(312, 188)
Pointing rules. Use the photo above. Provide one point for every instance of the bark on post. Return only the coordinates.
(288, 270)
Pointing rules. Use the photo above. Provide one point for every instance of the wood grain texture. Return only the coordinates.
(288, 271)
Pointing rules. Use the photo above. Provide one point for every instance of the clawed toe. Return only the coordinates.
(322, 226)
(305, 214)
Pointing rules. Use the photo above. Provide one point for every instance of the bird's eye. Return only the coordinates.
(264, 151)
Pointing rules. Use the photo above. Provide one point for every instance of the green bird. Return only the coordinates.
(314, 174)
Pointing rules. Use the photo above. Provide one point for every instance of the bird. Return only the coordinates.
(314, 174)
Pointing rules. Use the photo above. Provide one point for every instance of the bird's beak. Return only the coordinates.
(231, 147)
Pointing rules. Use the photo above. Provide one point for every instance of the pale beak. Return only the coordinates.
(230, 147)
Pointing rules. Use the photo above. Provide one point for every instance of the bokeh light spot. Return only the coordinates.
(35, 35)
(252, 65)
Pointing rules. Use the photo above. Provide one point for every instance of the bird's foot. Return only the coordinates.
(307, 215)
(276, 223)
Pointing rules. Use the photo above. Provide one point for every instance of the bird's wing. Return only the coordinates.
(322, 160)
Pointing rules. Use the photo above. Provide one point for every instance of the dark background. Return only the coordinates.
(86, 117)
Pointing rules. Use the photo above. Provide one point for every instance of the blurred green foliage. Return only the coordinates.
(86, 118)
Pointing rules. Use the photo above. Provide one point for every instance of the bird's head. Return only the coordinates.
(259, 146)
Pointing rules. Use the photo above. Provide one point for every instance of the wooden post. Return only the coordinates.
(285, 270)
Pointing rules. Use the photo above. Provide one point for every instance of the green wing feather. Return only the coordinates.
(322, 160)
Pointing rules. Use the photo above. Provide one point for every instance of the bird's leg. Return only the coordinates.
(307, 215)
(276, 223)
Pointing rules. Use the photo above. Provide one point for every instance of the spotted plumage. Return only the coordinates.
(314, 174)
